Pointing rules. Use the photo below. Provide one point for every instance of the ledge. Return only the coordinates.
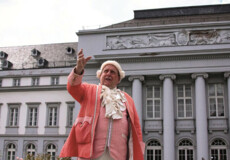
(155, 27)
(32, 88)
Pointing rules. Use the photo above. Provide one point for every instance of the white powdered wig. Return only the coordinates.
(114, 63)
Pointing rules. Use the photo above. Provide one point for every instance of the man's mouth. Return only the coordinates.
(108, 78)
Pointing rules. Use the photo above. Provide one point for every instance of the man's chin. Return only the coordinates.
(108, 85)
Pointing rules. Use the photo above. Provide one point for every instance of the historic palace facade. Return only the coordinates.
(177, 64)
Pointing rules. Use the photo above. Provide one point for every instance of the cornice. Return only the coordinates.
(224, 24)
(167, 56)
(35, 72)
(16, 103)
(33, 103)
(52, 103)
(32, 88)
(35, 135)
(70, 102)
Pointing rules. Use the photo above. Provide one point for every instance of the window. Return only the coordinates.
(153, 102)
(33, 116)
(11, 152)
(54, 80)
(16, 82)
(185, 150)
(127, 89)
(35, 81)
(0, 109)
(70, 114)
(52, 117)
(184, 101)
(13, 115)
(218, 150)
(51, 149)
(30, 149)
(216, 100)
(154, 150)
(52, 113)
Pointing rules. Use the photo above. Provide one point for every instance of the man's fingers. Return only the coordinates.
(87, 59)
(80, 53)
(81, 60)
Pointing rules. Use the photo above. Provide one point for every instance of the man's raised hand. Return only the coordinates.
(81, 62)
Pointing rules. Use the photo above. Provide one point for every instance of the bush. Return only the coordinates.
(42, 157)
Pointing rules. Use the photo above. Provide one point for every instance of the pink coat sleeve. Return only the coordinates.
(75, 86)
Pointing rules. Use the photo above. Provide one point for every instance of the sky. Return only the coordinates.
(33, 22)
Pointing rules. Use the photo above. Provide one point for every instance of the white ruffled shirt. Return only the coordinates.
(113, 101)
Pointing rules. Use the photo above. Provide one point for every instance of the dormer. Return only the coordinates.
(35, 52)
(42, 62)
(3, 55)
(6, 64)
(69, 50)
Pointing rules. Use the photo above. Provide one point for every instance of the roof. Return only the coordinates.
(178, 15)
(38, 56)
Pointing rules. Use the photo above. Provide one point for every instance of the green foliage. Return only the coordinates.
(44, 157)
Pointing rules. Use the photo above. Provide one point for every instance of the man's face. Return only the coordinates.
(109, 76)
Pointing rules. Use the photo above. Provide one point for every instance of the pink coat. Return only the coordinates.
(80, 140)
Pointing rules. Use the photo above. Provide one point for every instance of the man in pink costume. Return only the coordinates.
(107, 126)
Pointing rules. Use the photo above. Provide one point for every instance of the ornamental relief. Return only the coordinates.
(182, 38)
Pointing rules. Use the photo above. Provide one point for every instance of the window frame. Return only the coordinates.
(55, 80)
(31, 150)
(50, 107)
(0, 110)
(16, 82)
(153, 99)
(70, 116)
(1, 82)
(184, 98)
(127, 89)
(11, 150)
(218, 148)
(186, 148)
(34, 119)
(216, 101)
(154, 148)
(35, 81)
(51, 150)
(14, 120)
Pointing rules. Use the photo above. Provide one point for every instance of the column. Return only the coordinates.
(168, 117)
(137, 94)
(227, 75)
(201, 116)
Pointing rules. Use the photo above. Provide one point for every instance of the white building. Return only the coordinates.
(177, 70)
(34, 103)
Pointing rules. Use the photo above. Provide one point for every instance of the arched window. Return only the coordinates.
(11, 151)
(185, 150)
(218, 150)
(51, 149)
(154, 150)
(30, 149)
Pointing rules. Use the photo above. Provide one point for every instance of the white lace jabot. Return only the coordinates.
(113, 101)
